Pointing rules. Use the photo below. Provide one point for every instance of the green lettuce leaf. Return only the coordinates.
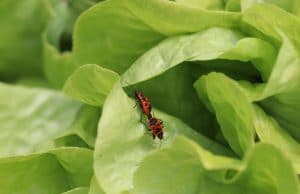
(79, 190)
(52, 172)
(283, 86)
(206, 45)
(285, 105)
(260, 19)
(284, 78)
(288, 5)
(233, 5)
(251, 116)
(20, 42)
(185, 167)
(83, 131)
(58, 61)
(32, 118)
(97, 37)
(234, 115)
(57, 66)
(206, 4)
(90, 84)
(269, 131)
(33, 82)
(95, 188)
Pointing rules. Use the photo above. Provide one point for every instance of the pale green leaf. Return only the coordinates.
(90, 84)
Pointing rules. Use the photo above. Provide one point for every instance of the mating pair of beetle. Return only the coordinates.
(155, 125)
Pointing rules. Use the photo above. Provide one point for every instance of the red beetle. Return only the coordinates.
(144, 103)
(156, 127)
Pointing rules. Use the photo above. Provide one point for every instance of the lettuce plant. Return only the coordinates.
(223, 75)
